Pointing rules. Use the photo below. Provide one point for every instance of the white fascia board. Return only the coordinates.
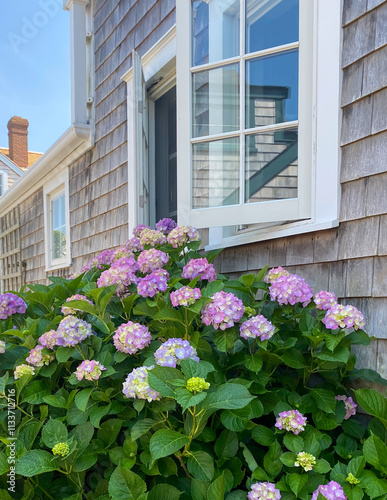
(69, 147)
(11, 165)
(67, 4)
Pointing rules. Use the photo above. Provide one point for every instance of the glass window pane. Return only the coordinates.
(58, 224)
(216, 101)
(215, 173)
(270, 23)
(272, 89)
(271, 165)
(215, 30)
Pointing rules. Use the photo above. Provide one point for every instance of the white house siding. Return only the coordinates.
(12, 176)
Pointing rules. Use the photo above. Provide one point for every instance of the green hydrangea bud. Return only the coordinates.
(305, 460)
(352, 479)
(250, 311)
(197, 384)
(61, 449)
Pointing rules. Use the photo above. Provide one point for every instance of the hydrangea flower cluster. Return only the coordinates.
(264, 491)
(165, 225)
(224, 309)
(197, 384)
(339, 316)
(199, 267)
(90, 370)
(173, 351)
(69, 310)
(275, 273)
(139, 229)
(136, 385)
(23, 370)
(150, 260)
(350, 405)
(305, 460)
(181, 235)
(131, 337)
(331, 491)
(61, 449)
(185, 296)
(121, 273)
(325, 300)
(71, 331)
(11, 304)
(36, 357)
(134, 244)
(352, 479)
(105, 258)
(120, 252)
(257, 326)
(290, 289)
(152, 237)
(48, 339)
(153, 283)
(2, 347)
(292, 421)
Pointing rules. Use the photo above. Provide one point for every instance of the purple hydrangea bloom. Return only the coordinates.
(2, 347)
(292, 421)
(152, 238)
(131, 337)
(105, 258)
(275, 273)
(120, 252)
(150, 260)
(331, 491)
(339, 316)
(11, 304)
(139, 229)
(290, 290)
(71, 331)
(36, 357)
(199, 267)
(325, 300)
(48, 339)
(134, 244)
(165, 225)
(257, 326)
(264, 491)
(185, 296)
(136, 385)
(90, 370)
(153, 283)
(69, 310)
(173, 351)
(224, 309)
(121, 273)
(181, 235)
(350, 405)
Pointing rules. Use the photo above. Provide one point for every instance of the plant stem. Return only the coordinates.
(183, 466)
(41, 487)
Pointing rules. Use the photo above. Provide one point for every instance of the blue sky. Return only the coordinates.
(35, 69)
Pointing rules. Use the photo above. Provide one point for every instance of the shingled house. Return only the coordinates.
(262, 122)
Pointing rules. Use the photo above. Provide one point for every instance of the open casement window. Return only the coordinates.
(244, 70)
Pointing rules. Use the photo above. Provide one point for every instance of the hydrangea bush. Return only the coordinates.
(150, 376)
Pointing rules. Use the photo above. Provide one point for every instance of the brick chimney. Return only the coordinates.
(18, 141)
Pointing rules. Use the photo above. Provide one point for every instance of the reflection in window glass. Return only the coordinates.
(58, 226)
(272, 89)
(271, 165)
(216, 173)
(215, 30)
(270, 23)
(216, 101)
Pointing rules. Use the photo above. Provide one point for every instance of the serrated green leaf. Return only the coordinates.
(322, 466)
(271, 460)
(296, 482)
(375, 452)
(201, 465)
(54, 432)
(142, 427)
(165, 442)
(263, 435)
(192, 368)
(235, 420)
(225, 339)
(35, 462)
(373, 402)
(225, 397)
(64, 353)
(126, 485)
(325, 400)
(217, 489)
(160, 378)
(164, 492)
(226, 445)
(82, 398)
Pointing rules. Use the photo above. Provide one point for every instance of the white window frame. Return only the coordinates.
(56, 186)
(319, 117)
(4, 186)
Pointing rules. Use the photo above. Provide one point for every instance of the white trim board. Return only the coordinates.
(11, 164)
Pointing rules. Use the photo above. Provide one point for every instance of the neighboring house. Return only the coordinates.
(262, 122)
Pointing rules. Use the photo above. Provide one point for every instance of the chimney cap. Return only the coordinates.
(17, 121)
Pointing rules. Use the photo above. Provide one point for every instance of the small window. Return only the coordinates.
(58, 226)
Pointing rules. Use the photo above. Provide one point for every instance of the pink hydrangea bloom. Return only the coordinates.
(120, 252)
(173, 351)
(165, 225)
(264, 491)
(292, 421)
(153, 283)
(121, 273)
(181, 235)
(48, 339)
(325, 300)
(185, 296)
(339, 316)
(36, 358)
(139, 229)
(290, 289)
(150, 260)
(224, 309)
(257, 326)
(131, 337)
(69, 310)
(275, 273)
(71, 331)
(2, 347)
(134, 244)
(331, 491)
(152, 238)
(90, 370)
(136, 385)
(350, 405)
(199, 267)
(11, 304)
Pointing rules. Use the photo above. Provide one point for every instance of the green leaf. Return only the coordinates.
(142, 427)
(226, 445)
(294, 358)
(82, 398)
(353, 428)
(356, 466)
(165, 442)
(64, 353)
(199, 489)
(54, 432)
(201, 465)
(3, 382)
(126, 485)
(56, 401)
(235, 420)
(192, 368)
(293, 443)
(359, 337)
(341, 355)
(35, 462)
(375, 452)
(296, 482)
(325, 400)
(226, 397)
(213, 287)
(237, 495)
(322, 466)
(85, 461)
(35, 392)
(373, 402)
(97, 413)
(169, 314)
(263, 435)
(28, 434)
(249, 457)
(373, 486)
(224, 339)
(271, 460)
(332, 341)
(160, 379)
(164, 492)
(187, 399)
(82, 434)
(217, 489)
(108, 431)
(367, 374)
(288, 459)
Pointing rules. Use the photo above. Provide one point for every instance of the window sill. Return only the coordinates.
(291, 229)
(54, 266)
